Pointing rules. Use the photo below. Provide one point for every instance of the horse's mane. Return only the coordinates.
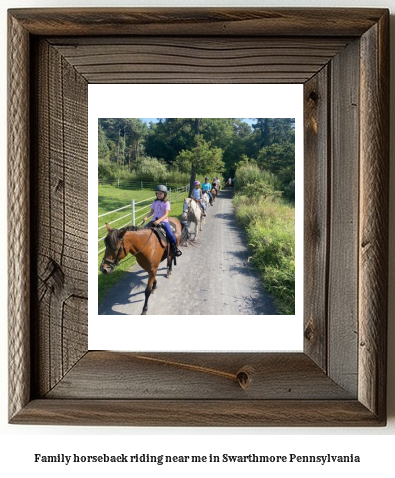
(112, 238)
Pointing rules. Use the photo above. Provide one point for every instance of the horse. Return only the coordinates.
(206, 201)
(193, 213)
(214, 193)
(145, 246)
(229, 182)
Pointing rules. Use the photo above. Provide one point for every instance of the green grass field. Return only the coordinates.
(111, 198)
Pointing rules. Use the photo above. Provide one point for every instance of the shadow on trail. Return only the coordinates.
(131, 287)
(131, 290)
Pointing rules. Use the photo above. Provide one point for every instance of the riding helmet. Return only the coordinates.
(196, 183)
(161, 188)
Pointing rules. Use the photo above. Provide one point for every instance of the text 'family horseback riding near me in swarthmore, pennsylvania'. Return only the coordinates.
(224, 458)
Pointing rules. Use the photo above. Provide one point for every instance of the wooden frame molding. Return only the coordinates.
(342, 58)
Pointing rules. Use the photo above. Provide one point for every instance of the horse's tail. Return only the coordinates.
(185, 236)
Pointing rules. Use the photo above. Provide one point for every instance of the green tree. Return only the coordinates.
(103, 149)
(268, 131)
(279, 158)
(203, 159)
(168, 137)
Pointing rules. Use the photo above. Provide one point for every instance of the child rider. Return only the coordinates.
(197, 195)
(160, 209)
(206, 188)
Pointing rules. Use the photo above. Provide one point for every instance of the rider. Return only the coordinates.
(160, 209)
(206, 188)
(215, 186)
(197, 195)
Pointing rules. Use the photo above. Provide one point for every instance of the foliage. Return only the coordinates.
(248, 172)
(279, 158)
(205, 158)
(123, 141)
(260, 189)
(270, 225)
(151, 169)
(112, 172)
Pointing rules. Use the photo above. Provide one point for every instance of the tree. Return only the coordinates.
(279, 158)
(268, 131)
(103, 149)
(168, 137)
(135, 131)
(202, 159)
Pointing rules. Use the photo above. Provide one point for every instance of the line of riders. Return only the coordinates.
(160, 208)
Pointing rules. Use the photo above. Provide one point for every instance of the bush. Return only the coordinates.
(270, 225)
(260, 189)
(151, 170)
(251, 174)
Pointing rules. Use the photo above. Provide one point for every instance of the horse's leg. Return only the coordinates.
(154, 287)
(148, 290)
(169, 262)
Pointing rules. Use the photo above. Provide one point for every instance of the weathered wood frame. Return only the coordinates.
(342, 57)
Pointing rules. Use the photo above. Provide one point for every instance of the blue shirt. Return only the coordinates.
(197, 193)
(206, 187)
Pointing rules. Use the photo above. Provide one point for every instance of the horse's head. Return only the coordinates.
(185, 210)
(115, 249)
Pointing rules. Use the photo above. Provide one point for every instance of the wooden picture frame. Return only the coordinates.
(342, 58)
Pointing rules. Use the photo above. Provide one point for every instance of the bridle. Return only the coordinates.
(113, 264)
(189, 210)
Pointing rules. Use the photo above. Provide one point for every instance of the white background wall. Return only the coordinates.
(19, 443)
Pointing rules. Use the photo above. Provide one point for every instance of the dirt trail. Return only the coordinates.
(213, 278)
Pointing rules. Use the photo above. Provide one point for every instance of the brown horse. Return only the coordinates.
(214, 193)
(143, 244)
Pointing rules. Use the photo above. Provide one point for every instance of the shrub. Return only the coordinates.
(270, 225)
(151, 169)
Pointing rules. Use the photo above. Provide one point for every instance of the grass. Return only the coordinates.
(111, 198)
(270, 225)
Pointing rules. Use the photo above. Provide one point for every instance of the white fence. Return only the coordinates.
(136, 211)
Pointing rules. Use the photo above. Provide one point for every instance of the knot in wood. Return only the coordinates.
(244, 376)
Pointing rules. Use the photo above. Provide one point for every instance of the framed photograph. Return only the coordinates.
(341, 57)
(214, 283)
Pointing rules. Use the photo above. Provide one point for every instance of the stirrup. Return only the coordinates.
(177, 252)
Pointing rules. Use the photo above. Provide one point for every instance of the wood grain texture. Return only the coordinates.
(18, 211)
(373, 245)
(201, 413)
(316, 214)
(348, 304)
(344, 217)
(61, 196)
(201, 21)
(224, 60)
(284, 376)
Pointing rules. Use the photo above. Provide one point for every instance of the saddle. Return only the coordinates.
(160, 233)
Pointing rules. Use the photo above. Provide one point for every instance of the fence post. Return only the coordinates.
(170, 195)
(118, 183)
(142, 187)
(133, 213)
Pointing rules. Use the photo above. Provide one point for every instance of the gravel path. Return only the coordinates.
(211, 278)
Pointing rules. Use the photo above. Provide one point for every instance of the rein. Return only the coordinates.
(190, 210)
(115, 263)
